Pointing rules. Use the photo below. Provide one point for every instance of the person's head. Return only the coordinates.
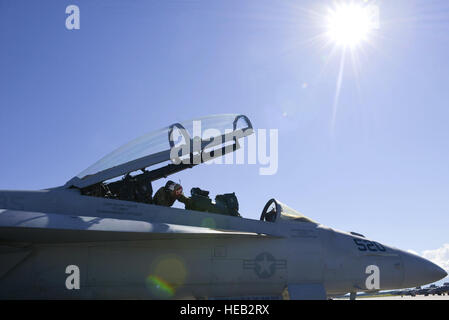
(175, 189)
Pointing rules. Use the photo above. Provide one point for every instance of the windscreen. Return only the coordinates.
(288, 213)
(158, 141)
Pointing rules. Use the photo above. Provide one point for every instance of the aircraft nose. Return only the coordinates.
(419, 271)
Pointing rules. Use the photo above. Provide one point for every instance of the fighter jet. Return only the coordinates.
(437, 290)
(100, 236)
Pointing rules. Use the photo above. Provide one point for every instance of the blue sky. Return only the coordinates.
(70, 97)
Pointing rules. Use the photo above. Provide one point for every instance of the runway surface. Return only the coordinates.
(436, 297)
(407, 298)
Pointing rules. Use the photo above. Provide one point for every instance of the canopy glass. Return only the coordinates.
(157, 142)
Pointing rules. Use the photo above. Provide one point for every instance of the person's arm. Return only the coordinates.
(187, 201)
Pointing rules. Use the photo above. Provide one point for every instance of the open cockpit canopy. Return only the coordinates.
(183, 144)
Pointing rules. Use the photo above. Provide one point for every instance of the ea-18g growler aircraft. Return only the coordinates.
(101, 235)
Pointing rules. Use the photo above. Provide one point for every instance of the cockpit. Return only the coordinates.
(128, 172)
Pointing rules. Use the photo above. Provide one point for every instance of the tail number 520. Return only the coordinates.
(366, 245)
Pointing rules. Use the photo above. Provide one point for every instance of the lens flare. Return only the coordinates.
(208, 223)
(159, 287)
(167, 275)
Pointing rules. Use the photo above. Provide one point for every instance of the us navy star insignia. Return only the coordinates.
(264, 265)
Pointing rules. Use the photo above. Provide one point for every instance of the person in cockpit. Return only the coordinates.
(167, 195)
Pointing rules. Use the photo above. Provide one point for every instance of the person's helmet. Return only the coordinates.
(174, 188)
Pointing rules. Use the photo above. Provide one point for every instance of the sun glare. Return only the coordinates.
(350, 24)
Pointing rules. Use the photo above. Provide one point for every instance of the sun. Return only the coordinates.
(350, 24)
